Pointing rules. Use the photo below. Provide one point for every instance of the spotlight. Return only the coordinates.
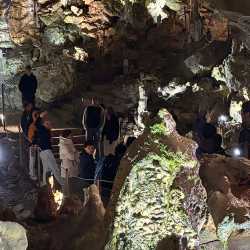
(222, 119)
(237, 152)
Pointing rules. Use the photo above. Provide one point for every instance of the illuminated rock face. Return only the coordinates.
(157, 192)
(22, 21)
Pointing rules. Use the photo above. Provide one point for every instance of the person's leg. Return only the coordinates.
(54, 167)
(44, 158)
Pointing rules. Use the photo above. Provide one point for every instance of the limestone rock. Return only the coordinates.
(228, 200)
(71, 206)
(13, 236)
(45, 209)
(22, 21)
(202, 62)
(76, 10)
(55, 80)
(156, 193)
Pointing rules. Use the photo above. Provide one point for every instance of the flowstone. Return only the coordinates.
(157, 194)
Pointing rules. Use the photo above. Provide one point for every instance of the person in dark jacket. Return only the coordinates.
(28, 86)
(93, 122)
(110, 131)
(109, 169)
(87, 162)
(44, 141)
(26, 118)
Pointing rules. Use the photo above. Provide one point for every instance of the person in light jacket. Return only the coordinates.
(68, 155)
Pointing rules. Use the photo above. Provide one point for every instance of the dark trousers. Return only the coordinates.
(28, 99)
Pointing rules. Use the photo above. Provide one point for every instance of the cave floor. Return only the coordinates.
(16, 188)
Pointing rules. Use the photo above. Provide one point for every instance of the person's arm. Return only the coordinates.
(21, 84)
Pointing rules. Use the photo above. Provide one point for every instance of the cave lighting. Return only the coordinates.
(2, 117)
(58, 196)
(237, 152)
(222, 119)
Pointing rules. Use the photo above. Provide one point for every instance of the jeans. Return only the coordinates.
(50, 165)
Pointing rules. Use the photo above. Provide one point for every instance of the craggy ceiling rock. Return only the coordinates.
(22, 21)
(241, 6)
(157, 193)
(203, 61)
(234, 72)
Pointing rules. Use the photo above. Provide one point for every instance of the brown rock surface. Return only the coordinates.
(45, 209)
(227, 186)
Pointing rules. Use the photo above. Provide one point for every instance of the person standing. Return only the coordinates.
(87, 162)
(48, 160)
(110, 131)
(93, 122)
(68, 155)
(28, 86)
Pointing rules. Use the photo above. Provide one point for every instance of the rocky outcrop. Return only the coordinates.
(46, 208)
(22, 20)
(203, 61)
(156, 194)
(227, 185)
(13, 236)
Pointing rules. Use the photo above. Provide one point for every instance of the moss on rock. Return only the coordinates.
(150, 204)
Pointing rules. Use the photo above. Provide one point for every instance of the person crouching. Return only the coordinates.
(69, 156)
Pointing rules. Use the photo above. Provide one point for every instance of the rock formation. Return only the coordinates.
(227, 185)
(152, 200)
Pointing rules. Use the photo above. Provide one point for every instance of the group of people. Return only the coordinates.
(101, 153)
(210, 141)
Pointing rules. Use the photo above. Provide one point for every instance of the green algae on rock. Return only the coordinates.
(150, 205)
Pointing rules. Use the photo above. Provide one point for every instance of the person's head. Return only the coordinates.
(89, 147)
(66, 133)
(28, 69)
(47, 124)
(28, 107)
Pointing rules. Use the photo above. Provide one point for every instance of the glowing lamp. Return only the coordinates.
(237, 152)
(222, 119)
